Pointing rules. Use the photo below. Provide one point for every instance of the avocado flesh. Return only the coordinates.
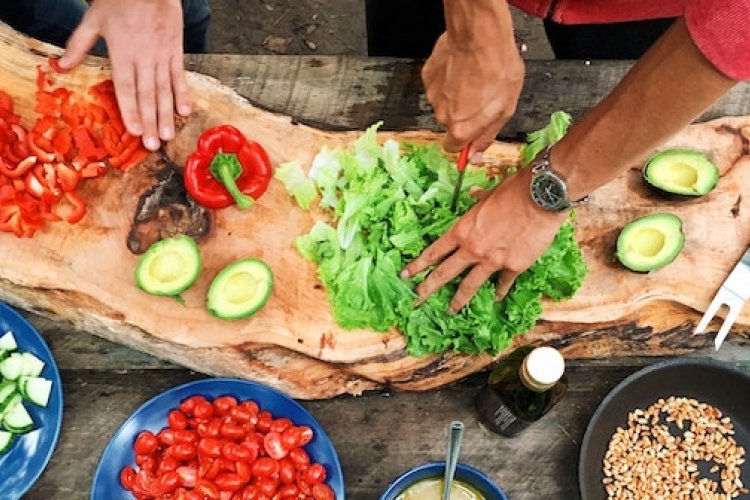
(240, 289)
(169, 266)
(682, 172)
(651, 242)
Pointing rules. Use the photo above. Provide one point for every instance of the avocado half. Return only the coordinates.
(240, 289)
(682, 172)
(169, 267)
(651, 242)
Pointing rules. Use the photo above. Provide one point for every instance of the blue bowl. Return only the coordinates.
(24, 463)
(465, 473)
(152, 416)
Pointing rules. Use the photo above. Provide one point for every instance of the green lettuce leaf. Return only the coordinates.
(538, 140)
(297, 183)
(389, 203)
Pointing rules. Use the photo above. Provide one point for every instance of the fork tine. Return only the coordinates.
(734, 311)
(710, 313)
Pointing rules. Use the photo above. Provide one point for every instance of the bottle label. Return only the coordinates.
(497, 415)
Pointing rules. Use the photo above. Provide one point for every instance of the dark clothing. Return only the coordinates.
(398, 28)
(53, 21)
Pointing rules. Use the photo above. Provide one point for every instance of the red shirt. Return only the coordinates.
(720, 28)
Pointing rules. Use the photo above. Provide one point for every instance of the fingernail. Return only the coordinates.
(151, 143)
(167, 134)
(477, 158)
(63, 62)
(184, 110)
(134, 129)
(405, 274)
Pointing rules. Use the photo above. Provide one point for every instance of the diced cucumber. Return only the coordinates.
(4, 354)
(32, 366)
(17, 419)
(37, 390)
(12, 401)
(11, 368)
(8, 342)
(6, 441)
(7, 391)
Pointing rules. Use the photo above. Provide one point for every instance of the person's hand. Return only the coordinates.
(144, 40)
(473, 89)
(504, 232)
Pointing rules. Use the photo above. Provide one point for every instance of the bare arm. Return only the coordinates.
(506, 232)
(668, 88)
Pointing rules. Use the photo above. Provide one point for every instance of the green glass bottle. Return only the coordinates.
(521, 389)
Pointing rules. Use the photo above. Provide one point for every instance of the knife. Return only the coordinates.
(463, 159)
(734, 292)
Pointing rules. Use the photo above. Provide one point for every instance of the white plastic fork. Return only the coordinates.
(734, 292)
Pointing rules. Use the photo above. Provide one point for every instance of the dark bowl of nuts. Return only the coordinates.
(676, 429)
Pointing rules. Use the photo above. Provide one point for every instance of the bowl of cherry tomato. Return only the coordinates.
(220, 439)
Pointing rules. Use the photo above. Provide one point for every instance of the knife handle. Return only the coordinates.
(463, 159)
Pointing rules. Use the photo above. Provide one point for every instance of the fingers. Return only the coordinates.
(487, 136)
(180, 86)
(504, 282)
(145, 79)
(123, 76)
(469, 286)
(430, 256)
(164, 103)
(478, 193)
(80, 42)
(442, 274)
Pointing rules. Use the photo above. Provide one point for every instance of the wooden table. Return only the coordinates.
(376, 435)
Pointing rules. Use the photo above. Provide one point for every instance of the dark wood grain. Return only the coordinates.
(343, 92)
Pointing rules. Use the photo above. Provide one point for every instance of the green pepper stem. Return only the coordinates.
(226, 168)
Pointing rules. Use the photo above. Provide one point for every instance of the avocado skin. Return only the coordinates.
(706, 163)
(623, 256)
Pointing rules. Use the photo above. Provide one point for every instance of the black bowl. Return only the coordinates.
(709, 381)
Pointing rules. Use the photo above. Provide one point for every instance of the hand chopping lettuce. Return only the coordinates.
(388, 203)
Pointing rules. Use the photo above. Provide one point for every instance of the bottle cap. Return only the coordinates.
(544, 366)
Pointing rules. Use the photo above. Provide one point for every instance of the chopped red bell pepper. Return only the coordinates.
(79, 208)
(67, 177)
(20, 169)
(225, 168)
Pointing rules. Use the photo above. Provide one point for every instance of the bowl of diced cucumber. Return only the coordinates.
(30, 404)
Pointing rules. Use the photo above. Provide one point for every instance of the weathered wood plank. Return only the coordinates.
(343, 92)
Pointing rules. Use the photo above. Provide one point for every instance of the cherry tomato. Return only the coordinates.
(316, 473)
(274, 446)
(203, 409)
(183, 451)
(167, 463)
(229, 482)
(188, 475)
(143, 481)
(290, 437)
(299, 457)
(267, 485)
(286, 471)
(232, 431)
(186, 436)
(149, 464)
(146, 443)
(240, 414)
(127, 477)
(265, 420)
(322, 491)
(223, 404)
(265, 467)
(187, 406)
(139, 459)
(209, 447)
(281, 424)
(207, 489)
(210, 429)
(289, 491)
(166, 437)
(243, 470)
(306, 435)
(251, 406)
(303, 486)
(177, 420)
(209, 468)
(193, 495)
(166, 483)
(250, 493)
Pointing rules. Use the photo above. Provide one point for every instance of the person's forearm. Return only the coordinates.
(669, 87)
(470, 23)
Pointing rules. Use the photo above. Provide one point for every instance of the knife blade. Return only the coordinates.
(463, 159)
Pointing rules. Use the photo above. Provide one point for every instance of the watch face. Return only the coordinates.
(548, 191)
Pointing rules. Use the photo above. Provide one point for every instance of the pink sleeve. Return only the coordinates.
(721, 30)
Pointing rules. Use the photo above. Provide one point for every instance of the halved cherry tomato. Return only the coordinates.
(127, 477)
(223, 404)
(209, 447)
(188, 475)
(274, 447)
(287, 472)
(281, 424)
(265, 467)
(316, 473)
(229, 482)
(207, 489)
(146, 443)
(177, 420)
(232, 431)
(322, 491)
(267, 485)
(289, 491)
(166, 437)
(299, 457)
(203, 410)
(265, 420)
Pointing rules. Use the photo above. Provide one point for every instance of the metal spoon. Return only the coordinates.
(456, 432)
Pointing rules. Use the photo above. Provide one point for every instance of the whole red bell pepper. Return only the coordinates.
(226, 168)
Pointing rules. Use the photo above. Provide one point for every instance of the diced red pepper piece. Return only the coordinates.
(129, 150)
(79, 208)
(54, 63)
(20, 169)
(67, 177)
(94, 169)
(6, 102)
(138, 156)
(40, 147)
(47, 104)
(85, 145)
(62, 143)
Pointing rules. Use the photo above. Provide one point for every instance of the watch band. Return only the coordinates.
(542, 165)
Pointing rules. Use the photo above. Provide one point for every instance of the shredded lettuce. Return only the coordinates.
(389, 202)
(540, 139)
(297, 183)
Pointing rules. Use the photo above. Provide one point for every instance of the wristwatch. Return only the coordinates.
(548, 188)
